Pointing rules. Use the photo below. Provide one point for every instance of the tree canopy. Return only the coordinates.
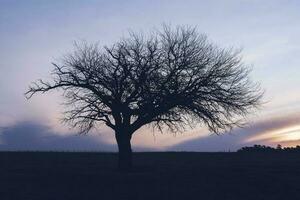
(174, 77)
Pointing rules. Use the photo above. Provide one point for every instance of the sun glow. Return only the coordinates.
(292, 133)
(285, 134)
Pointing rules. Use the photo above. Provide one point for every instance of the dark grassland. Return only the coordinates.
(89, 176)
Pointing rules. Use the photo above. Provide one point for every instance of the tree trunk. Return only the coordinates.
(125, 152)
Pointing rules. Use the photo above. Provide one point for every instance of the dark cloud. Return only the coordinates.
(238, 137)
(225, 142)
(34, 136)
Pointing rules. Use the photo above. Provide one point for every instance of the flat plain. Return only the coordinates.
(161, 175)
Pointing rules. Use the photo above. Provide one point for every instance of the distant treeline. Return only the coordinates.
(263, 148)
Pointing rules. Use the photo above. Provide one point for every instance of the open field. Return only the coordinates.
(88, 176)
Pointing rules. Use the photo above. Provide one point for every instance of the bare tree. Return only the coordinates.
(172, 78)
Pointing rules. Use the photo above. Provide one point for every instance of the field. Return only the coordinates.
(88, 176)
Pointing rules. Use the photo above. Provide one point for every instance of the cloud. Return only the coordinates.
(36, 136)
(271, 44)
(247, 136)
(277, 130)
(32, 136)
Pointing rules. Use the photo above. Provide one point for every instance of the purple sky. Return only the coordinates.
(35, 33)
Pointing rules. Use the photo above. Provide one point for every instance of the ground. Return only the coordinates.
(88, 176)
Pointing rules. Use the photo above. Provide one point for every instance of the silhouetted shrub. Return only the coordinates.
(263, 148)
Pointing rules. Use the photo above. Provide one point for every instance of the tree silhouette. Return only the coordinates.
(173, 78)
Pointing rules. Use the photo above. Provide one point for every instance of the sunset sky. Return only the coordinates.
(35, 33)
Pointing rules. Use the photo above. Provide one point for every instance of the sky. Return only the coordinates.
(35, 33)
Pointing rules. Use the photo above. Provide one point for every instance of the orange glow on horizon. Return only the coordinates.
(289, 136)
